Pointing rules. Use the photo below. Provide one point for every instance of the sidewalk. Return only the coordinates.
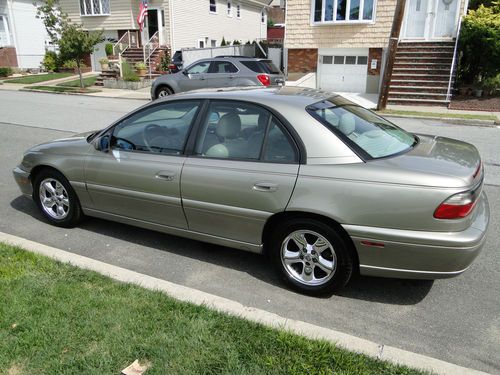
(437, 109)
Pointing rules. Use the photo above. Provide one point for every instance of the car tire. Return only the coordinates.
(163, 91)
(312, 257)
(56, 199)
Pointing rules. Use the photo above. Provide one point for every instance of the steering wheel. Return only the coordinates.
(154, 138)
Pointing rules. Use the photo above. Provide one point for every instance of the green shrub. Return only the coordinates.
(108, 48)
(480, 44)
(236, 42)
(165, 62)
(223, 42)
(491, 84)
(129, 74)
(50, 61)
(5, 71)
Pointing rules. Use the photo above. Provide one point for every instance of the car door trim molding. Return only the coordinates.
(186, 233)
(246, 213)
(167, 200)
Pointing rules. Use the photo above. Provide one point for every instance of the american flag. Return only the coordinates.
(143, 12)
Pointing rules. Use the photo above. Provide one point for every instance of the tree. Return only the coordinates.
(74, 42)
(223, 43)
(480, 44)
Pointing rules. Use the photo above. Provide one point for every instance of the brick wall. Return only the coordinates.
(303, 60)
(8, 57)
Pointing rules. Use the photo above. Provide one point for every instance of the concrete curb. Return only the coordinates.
(90, 94)
(197, 297)
(450, 120)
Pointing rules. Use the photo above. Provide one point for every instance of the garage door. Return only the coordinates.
(344, 73)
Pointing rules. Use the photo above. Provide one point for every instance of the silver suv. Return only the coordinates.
(221, 71)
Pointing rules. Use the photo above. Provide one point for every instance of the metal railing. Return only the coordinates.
(129, 39)
(149, 48)
(454, 62)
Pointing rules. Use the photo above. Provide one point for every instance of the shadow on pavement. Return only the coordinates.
(388, 291)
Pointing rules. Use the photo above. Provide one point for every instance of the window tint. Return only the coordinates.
(223, 67)
(199, 68)
(279, 148)
(263, 66)
(159, 129)
(374, 135)
(238, 131)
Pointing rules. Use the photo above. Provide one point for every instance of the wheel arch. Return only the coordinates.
(273, 221)
(163, 85)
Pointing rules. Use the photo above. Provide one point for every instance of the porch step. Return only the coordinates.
(420, 89)
(429, 102)
(418, 82)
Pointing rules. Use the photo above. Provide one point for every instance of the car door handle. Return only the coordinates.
(265, 186)
(165, 175)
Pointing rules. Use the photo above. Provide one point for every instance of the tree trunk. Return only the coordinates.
(79, 74)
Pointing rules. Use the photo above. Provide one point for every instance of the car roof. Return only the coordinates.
(288, 95)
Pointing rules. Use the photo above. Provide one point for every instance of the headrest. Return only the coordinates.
(347, 123)
(229, 126)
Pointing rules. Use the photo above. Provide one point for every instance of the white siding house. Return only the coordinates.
(22, 33)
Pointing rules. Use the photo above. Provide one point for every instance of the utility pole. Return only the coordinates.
(391, 53)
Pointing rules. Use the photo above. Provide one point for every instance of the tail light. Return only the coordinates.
(457, 206)
(264, 79)
(172, 66)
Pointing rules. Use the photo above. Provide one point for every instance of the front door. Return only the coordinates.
(430, 19)
(139, 176)
(244, 169)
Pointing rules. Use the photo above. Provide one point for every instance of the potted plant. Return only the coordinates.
(141, 69)
(104, 63)
(163, 66)
(108, 48)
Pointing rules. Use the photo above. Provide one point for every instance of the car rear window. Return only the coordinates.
(262, 66)
(362, 129)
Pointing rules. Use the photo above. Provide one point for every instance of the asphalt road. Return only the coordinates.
(457, 320)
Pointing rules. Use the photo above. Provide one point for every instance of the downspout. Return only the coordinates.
(172, 17)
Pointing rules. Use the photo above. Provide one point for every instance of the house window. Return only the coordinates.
(229, 10)
(213, 43)
(201, 43)
(342, 11)
(94, 7)
(213, 6)
(262, 16)
(4, 32)
(238, 10)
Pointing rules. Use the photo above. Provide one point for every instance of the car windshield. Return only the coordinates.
(361, 128)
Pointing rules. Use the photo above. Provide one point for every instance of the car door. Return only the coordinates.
(222, 74)
(136, 170)
(194, 77)
(241, 173)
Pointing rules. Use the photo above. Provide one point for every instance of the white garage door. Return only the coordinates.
(344, 73)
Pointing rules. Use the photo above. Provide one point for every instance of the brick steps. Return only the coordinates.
(421, 73)
(136, 55)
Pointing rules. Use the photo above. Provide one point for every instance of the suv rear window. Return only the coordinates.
(262, 66)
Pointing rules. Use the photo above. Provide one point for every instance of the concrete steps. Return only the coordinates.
(421, 73)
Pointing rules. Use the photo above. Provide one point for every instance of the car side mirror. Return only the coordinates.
(184, 72)
(102, 143)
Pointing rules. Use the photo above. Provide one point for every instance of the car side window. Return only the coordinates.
(199, 68)
(163, 128)
(279, 147)
(243, 131)
(223, 67)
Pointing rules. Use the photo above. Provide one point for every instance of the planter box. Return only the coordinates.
(114, 83)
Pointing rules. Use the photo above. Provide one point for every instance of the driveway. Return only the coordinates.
(456, 320)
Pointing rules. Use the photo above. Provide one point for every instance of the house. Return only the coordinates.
(23, 38)
(345, 43)
(176, 23)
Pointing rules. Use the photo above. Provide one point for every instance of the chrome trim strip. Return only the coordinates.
(417, 272)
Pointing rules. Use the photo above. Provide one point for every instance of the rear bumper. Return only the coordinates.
(23, 181)
(420, 255)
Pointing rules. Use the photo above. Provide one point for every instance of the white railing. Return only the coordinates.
(129, 39)
(454, 62)
(149, 48)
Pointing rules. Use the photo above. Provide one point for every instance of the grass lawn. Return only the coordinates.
(61, 89)
(468, 116)
(88, 81)
(39, 78)
(58, 319)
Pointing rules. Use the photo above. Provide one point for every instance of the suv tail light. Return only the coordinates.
(264, 79)
(172, 66)
(457, 206)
